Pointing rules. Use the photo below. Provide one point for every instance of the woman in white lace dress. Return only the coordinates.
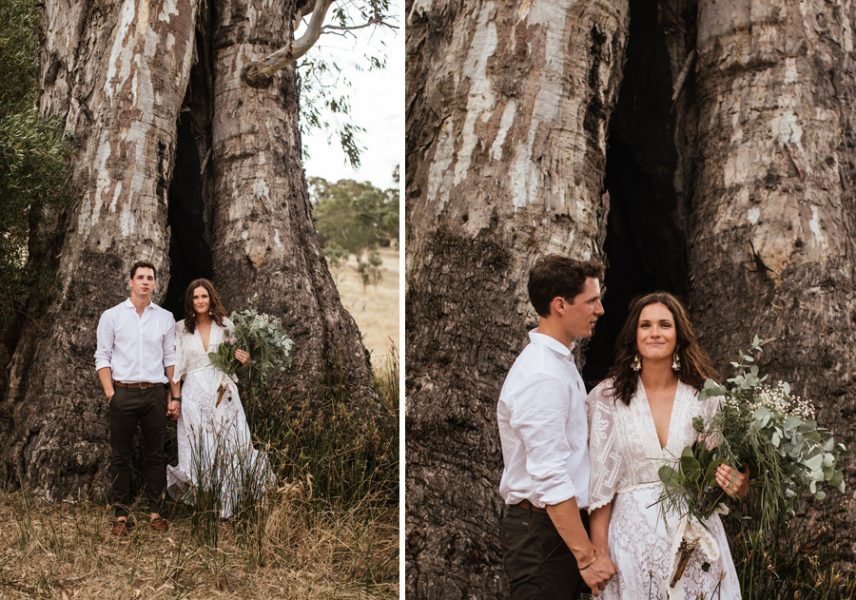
(640, 418)
(215, 450)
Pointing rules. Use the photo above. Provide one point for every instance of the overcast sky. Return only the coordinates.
(377, 105)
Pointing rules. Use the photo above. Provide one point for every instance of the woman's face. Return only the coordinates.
(656, 336)
(201, 301)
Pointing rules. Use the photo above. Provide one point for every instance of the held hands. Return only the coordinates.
(598, 572)
(243, 357)
(173, 410)
(733, 482)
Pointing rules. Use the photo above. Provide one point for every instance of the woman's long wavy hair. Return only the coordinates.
(696, 365)
(215, 306)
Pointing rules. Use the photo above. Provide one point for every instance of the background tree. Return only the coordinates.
(355, 218)
(355, 215)
(32, 167)
(699, 147)
(184, 122)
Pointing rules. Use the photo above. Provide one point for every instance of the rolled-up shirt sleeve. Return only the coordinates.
(539, 415)
(169, 345)
(104, 342)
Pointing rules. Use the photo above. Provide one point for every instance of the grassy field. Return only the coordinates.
(299, 551)
(375, 308)
(298, 544)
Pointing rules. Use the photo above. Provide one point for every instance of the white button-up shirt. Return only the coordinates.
(543, 428)
(136, 347)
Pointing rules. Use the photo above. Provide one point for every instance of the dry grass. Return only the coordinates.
(301, 549)
(293, 546)
(375, 308)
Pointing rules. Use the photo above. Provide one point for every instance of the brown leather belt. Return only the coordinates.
(137, 385)
(526, 505)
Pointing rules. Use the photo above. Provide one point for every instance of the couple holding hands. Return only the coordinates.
(580, 478)
(140, 350)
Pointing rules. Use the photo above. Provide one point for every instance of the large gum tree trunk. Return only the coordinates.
(265, 242)
(118, 73)
(773, 234)
(507, 106)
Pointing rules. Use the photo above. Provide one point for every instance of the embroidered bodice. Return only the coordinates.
(190, 352)
(625, 449)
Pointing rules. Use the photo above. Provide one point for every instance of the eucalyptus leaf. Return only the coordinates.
(813, 463)
(668, 475)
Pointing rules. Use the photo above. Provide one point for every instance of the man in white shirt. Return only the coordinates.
(544, 435)
(134, 358)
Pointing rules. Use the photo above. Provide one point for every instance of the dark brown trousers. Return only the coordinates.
(537, 561)
(130, 409)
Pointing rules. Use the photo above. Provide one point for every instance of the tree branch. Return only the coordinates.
(368, 23)
(258, 73)
(682, 76)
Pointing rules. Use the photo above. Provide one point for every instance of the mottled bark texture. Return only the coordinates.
(118, 73)
(507, 107)
(265, 242)
(506, 163)
(773, 228)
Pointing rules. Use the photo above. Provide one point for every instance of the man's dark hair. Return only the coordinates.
(561, 276)
(143, 264)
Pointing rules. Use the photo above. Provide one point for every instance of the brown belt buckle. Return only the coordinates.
(137, 385)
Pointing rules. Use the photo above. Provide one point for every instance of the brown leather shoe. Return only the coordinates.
(159, 524)
(121, 528)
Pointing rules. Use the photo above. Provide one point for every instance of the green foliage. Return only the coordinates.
(263, 337)
(773, 431)
(33, 159)
(336, 255)
(19, 54)
(325, 89)
(355, 217)
(322, 105)
(766, 428)
(370, 269)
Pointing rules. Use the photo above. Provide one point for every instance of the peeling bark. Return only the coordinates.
(507, 107)
(773, 242)
(506, 162)
(120, 94)
(118, 74)
(265, 242)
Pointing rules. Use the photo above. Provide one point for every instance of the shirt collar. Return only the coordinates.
(535, 337)
(129, 304)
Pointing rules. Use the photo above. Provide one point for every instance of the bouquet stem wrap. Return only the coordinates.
(690, 535)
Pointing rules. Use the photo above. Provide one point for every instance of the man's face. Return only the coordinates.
(142, 284)
(580, 315)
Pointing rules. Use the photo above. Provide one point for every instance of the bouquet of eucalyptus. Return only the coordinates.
(760, 425)
(259, 334)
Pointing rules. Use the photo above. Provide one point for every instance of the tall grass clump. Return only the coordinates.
(792, 560)
(349, 453)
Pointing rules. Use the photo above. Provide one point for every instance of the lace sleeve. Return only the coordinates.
(603, 447)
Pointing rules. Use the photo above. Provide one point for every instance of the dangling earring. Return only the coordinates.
(637, 363)
(676, 362)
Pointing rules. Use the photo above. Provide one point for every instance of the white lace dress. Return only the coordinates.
(625, 455)
(215, 450)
